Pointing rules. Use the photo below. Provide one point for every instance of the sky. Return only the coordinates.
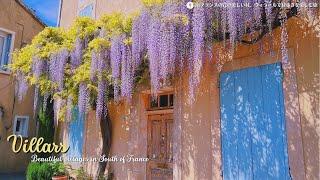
(46, 10)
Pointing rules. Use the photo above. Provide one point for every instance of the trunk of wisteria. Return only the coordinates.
(105, 125)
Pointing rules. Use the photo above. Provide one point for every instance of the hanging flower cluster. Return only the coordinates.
(56, 67)
(284, 40)
(50, 63)
(77, 66)
(99, 70)
(159, 33)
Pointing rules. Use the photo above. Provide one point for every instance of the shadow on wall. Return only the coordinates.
(258, 125)
(254, 142)
(196, 134)
(306, 45)
(310, 120)
(302, 98)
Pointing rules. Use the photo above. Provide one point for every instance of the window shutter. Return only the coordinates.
(7, 50)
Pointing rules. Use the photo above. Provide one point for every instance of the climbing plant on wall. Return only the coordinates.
(78, 66)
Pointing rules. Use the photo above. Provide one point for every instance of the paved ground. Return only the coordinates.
(15, 176)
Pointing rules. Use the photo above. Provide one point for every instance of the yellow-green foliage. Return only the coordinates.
(22, 59)
(45, 85)
(98, 44)
(49, 41)
(151, 3)
(127, 24)
(127, 41)
(82, 73)
(82, 27)
(52, 40)
(111, 23)
(116, 23)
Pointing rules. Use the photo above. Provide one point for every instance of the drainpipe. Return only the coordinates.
(59, 13)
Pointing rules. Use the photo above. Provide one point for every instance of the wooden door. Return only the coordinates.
(254, 143)
(160, 147)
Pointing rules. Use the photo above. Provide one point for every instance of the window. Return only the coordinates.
(20, 126)
(86, 11)
(162, 101)
(5, 48)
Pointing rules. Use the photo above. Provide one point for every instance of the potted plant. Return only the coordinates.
(33, 170)
(59, 171)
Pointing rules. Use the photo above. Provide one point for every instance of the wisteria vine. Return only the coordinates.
(81, 64)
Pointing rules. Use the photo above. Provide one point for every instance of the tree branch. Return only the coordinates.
(276, 23)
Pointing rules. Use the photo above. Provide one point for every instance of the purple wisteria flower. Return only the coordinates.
(126, 72)
(76, 54)
(115, 57)
(154, 54)
(39, 66)
(83, 98)
(21, 86)
(101, 100)
(198, 33)
(56, 67)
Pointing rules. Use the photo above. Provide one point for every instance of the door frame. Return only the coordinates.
(150, 118)
(291, 103)
(146, 112)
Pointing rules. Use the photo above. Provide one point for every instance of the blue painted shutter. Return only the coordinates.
(253, 133)
(7, 48)
(76, 131)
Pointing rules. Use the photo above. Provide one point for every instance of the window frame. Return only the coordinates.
(3, 48)
(7, 71)
(84, 6)
(24, 127)
(149, 105)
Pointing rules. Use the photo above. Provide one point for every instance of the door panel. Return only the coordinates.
(156, 139)
(160, 147)
(243, 132)
(169, 125)
(253, 125)
(76, 129)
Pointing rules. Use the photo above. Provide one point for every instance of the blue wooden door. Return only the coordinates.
(76, 130)
(253, 124)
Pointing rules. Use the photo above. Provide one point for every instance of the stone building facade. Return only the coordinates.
(18, 26)
(196, 137)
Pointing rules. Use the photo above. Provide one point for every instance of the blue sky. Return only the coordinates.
(46, 10)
